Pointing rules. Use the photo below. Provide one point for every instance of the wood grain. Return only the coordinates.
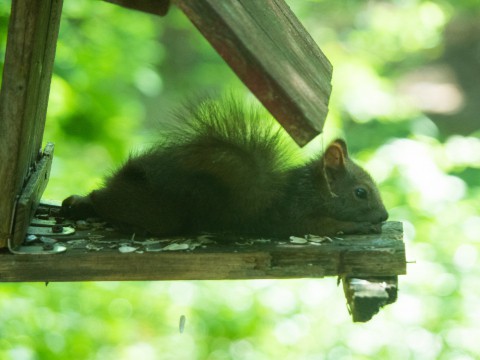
(366, 296)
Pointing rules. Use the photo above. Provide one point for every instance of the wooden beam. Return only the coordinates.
(31, 43)
(273, 54)
(95, 255)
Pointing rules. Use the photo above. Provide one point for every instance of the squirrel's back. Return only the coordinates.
(218, 169)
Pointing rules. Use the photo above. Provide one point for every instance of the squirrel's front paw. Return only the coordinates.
(376, 228)
(77, 207)
(367, 228)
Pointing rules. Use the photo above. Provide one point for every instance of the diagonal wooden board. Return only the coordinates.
(273, 54)
(269, 50)
(365, 296)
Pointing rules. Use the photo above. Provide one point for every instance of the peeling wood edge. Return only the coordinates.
(31, 195)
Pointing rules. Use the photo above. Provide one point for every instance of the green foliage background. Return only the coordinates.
(400, 99)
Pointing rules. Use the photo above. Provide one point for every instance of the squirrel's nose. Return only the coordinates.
(383, 217)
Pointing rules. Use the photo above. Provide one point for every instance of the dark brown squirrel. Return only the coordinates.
(221, 171)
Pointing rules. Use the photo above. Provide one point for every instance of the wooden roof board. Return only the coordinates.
(273, 54)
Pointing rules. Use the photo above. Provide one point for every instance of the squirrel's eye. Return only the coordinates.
(361, 193)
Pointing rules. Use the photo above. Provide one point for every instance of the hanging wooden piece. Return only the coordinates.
(366, 296)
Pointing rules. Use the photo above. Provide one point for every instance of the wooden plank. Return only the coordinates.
(366, 296)
(155, 7)
(31, 194)
(273, 54)
(31, 42)
(353, 255)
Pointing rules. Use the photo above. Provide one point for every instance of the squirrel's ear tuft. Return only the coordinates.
(336, 154)
(343, 144)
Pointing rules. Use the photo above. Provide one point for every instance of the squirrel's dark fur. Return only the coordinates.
(222, 171)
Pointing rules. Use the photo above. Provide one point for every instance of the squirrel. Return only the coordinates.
(222, 171)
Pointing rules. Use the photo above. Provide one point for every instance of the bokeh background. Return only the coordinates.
(406, 96)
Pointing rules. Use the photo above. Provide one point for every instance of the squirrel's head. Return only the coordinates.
(355, 196)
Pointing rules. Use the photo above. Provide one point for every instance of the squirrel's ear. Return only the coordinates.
(336, 154)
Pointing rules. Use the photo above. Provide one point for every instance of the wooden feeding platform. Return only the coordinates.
(272, 53)
(91, 250)
(56, 249)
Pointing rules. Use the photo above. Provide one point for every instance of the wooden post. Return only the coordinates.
(30, 52)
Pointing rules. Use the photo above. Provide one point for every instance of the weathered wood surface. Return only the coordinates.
(155, 7)
(365, 296)
(31, 194)
(359, 255)
(31, 43)
(273, 54)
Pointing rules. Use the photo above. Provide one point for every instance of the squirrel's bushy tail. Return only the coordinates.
(239, 149)
(221, 167)
(231, 123)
